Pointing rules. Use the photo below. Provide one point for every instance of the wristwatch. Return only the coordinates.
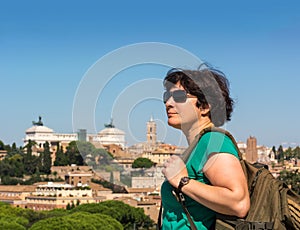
(183, 181)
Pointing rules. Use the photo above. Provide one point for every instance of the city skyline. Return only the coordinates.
(47, 50)
(110, 124)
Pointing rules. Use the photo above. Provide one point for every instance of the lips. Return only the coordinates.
(171, 113)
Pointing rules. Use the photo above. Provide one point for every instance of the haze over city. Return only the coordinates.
(49, 49)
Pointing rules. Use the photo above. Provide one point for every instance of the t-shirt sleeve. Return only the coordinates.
(217, 142)
(212, 142)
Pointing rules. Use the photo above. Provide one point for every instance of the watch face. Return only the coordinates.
(185, 180)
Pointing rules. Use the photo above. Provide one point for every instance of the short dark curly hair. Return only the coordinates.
(211, 88)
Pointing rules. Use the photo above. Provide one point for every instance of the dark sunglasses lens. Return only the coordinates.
(179, 96)
(166, 96)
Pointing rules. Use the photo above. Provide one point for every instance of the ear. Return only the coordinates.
(204, 111)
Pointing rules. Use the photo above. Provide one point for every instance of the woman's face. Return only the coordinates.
(182, 115)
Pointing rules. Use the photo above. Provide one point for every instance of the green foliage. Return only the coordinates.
(291, 178)
(73, 154)
(93, 156)
(12, 218)
(142, 163)
(105, 215)
(5, 147)
(68, 206)
(91, 208)
(296, 152)
(1, 145)
(61, 158)
(114, 187)
(45, 159)
(20, 162)
(126, 180)
(280, 154)
(30, 161)
(292, 153)
(78, 221)
(57, 212)
(12, 165)
(127, 215)
(98, 221)
(29, 215)
(54, 223)
(4, 224)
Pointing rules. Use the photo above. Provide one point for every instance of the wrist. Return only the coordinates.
(183, 182)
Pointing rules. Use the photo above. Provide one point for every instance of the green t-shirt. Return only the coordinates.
(173, 214)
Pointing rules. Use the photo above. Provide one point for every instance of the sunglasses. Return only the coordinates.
(179, 96)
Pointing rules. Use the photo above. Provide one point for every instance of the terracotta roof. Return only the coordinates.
(4, 198)
(140, 190)
(98, 187)
(147, 202)
(17, 188)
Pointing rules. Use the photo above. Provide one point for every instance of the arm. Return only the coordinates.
(228, 193)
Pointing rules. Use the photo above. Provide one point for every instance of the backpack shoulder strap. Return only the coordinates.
(188, 151)
(225, 132)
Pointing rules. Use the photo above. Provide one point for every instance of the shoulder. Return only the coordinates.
(215, 141)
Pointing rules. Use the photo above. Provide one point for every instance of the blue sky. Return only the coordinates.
(48, 47)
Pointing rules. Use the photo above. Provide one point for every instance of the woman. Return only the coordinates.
(211, 179)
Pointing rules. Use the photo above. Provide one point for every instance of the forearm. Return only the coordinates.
(219, 199)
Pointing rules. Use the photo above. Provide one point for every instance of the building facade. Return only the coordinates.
(41, 134)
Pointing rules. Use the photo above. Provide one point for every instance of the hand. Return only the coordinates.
(174, 170)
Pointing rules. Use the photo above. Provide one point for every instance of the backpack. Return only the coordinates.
(273, 205)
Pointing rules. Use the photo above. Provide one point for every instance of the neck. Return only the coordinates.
(191, 133)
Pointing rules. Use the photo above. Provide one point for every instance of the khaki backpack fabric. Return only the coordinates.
(272, 204)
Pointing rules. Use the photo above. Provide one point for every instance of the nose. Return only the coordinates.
(169, 103)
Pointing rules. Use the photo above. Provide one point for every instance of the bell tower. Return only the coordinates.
(251, 150)
(151, 131)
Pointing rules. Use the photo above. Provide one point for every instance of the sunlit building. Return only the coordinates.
(40, 134)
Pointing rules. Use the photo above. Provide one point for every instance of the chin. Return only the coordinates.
(174, 124)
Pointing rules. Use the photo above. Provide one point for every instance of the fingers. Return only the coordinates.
(174, 169)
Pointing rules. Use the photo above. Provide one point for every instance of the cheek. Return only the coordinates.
(188, 112)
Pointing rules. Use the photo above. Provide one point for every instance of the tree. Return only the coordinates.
(280, 154)
(274, 151)
(296, 152)
(73, 154)
(142, 163)
(4, 224)
(68, 206)
(45, 159)
(5, 147)
(17, 166)
(127, 215)
(78, 221)
(111, 179)
(291, 178)
(60, 157)
(1, 145)
(30, 161)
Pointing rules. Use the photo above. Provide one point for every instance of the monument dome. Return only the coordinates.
(110, 135)
(38, 129)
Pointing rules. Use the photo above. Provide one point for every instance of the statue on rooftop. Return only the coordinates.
(110, 125)
(39, 123)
